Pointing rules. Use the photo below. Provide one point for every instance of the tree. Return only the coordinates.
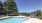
(38, 12)
(10, 6)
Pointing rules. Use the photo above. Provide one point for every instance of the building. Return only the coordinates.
(33, 14)
(1, 9)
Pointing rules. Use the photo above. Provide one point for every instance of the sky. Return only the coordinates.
(28, 5)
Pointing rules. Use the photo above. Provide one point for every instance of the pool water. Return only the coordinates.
(12, 20)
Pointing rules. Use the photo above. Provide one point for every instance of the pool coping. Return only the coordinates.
(13, 17)
(25, 20)
(5, 17)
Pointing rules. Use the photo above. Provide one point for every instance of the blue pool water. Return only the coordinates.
(12, 20)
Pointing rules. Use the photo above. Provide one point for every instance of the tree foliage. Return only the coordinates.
(10, 6)
(38, 12)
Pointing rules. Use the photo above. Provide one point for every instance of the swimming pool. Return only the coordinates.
(12, 20)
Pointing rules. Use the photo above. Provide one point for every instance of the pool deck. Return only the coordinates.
(32, 20)
(6, 17)
(14, 17)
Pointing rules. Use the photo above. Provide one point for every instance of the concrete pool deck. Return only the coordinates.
(14, 17)
(5, 17)
(32, 20)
